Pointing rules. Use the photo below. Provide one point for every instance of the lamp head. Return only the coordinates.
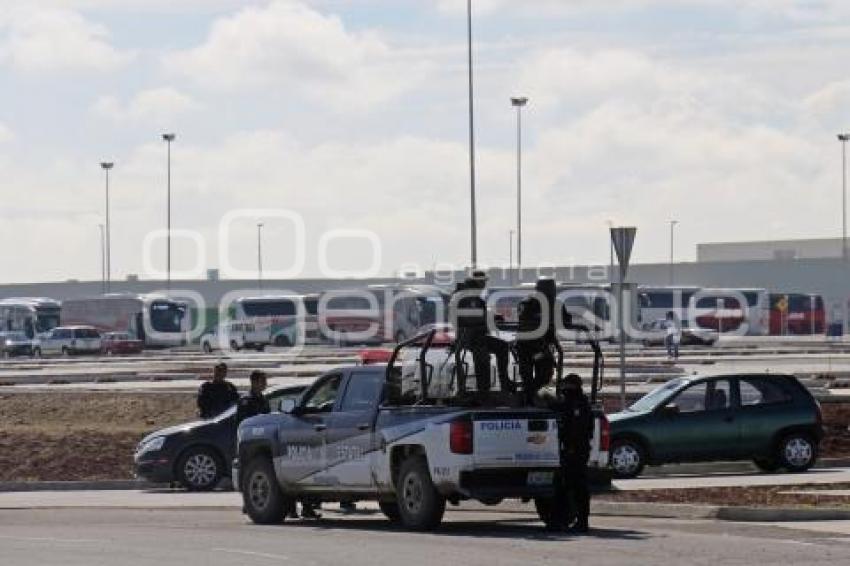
(169, 137)
(107, 165)
(519, 100)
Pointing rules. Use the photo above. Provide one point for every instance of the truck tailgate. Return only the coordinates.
(515, 440)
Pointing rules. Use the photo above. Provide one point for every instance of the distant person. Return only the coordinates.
(217, 395)
(673, 337)
(254, 402)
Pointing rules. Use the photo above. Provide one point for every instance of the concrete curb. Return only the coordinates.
(708, 468)
(99, 485)
(781, 514)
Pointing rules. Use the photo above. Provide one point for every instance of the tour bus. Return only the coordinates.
(156, 320)
(711, 308)
(797, 314)
(380, 313)
(33, 316)
(585, 303)
(655, 302)
(288, 320)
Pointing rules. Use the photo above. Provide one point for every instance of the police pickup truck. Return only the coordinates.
(357, 435)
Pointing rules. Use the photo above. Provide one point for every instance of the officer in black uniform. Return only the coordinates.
(535, 357)
(254, 402)
(473, 335)
(575, 428)
(216, 396)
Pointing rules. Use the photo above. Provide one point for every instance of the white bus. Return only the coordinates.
(656, 302)
(380, 313)
(31, 315)
(723, 310)
(287, 320)
(156, 320)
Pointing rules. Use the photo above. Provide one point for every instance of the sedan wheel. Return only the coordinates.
(626, 459)
(797, 452)
(199, 470)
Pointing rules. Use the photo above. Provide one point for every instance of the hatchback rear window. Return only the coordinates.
(759, 391)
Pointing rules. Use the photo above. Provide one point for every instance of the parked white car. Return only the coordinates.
(236, 335)
(68, 340)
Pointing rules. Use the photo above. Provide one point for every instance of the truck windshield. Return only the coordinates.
(269, 308)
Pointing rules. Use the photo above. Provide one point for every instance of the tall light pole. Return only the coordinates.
(106, 166)
(672, 274)
(511, 257)
(260, 254)
(611, 253)
(843, 138)
(168, 138)
(519, 103)
(473, 225)
(102, 260)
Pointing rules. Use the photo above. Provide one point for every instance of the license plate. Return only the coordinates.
(540, 478)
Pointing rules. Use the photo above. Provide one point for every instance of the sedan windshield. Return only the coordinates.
(656, 396)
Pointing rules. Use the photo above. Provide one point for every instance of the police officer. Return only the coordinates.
(575, 429)
(216, 396)
(473, 335)
(254, 402)
(534, 341)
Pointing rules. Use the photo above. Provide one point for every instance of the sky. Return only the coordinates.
(341, 126)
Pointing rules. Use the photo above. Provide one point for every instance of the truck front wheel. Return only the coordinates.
(265, 503)
(420, 505)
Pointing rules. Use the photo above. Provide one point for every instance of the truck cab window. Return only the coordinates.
(362, 392)
(323, 398)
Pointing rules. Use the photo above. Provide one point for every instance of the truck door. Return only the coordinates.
(351, 437)
(303, 441)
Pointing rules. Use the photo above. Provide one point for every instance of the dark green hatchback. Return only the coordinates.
(770, 419)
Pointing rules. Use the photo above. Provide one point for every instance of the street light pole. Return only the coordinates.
(672, 275)
(843, 138)
(260, 254)
(168, 138)
(519, 103)
(102, 260)
(473, 225)
(511, 257)
(106, 166)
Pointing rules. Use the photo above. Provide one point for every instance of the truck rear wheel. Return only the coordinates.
(420, 505)
(264, 501)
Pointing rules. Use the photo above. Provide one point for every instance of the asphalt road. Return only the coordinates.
(87, 537)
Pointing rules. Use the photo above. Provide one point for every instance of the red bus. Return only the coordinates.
(797, 314)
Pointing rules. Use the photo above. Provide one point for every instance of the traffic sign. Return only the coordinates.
(624, 240)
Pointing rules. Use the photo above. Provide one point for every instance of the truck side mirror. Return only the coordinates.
(287, 406)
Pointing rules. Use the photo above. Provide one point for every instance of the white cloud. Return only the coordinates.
(831, 103)
(155, 107)
(46, 40)
(5, 133)
(291, 47)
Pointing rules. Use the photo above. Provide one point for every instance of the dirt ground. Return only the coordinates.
(751, 496)
(92, 435)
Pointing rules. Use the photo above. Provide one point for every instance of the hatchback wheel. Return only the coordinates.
(797, 452)
(627, 459)
(199, 469)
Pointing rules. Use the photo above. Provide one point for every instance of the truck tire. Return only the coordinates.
(797, 452)
(390, 510)
(420, 505)
(263, 500)
(199, 469)
(207, 348)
